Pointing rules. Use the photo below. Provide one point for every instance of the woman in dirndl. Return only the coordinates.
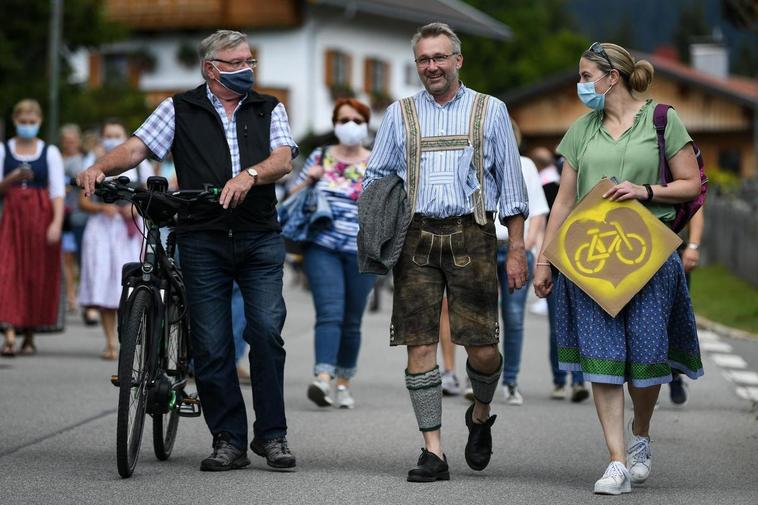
(111, 238)
(655, 332)
(32, 188)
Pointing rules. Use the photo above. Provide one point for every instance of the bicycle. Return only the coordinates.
(153, 325)
(591, 256)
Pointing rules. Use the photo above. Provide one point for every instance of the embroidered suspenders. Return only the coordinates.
(415, 144)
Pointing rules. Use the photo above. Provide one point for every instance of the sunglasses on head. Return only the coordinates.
(346, 120)
(598, 49)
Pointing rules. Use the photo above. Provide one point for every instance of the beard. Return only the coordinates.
(439, 82)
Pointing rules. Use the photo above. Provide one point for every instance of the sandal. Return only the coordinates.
(28, 349)
(9, 350)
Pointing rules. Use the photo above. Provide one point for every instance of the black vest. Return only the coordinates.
(201, 156)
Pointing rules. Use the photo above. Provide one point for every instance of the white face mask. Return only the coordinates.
(351, 134)
(110, 144)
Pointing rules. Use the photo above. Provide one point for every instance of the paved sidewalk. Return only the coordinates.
(57, 419)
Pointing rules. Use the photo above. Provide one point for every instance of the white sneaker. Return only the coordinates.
(468, 393)
(450, 384)
(344, 398)
(512, 395)
(318, 393)
(615, 480)
(639, 456)
(539, 307)
(558, 393)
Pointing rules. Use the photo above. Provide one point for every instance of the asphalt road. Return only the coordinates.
(57, 435)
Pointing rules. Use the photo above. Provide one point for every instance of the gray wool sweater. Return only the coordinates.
(383, 217)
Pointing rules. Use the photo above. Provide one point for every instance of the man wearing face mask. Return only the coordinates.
(110, 239)
(225, 134)
(455, 150)
(330, 260)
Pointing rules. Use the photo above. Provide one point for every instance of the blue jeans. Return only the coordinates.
(340, 293)
(512, 308)
(238, 323)
(211, 261)
(559, 376)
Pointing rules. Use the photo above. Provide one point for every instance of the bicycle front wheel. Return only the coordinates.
(133, 378)
(174, 362)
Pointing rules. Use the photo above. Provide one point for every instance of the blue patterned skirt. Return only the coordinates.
(652, 334)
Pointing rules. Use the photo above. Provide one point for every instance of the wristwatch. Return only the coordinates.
(254, 174)
(693, 245)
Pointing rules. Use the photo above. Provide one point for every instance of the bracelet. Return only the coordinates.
(649, 192)
(542, 264)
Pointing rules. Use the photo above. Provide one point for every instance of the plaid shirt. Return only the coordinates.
(157, 132)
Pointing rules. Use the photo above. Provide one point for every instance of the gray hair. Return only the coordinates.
(70, 129)
(218, 41)
(434, 30)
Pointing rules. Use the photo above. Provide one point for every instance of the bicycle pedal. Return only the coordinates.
(114, 380)
(190, 406)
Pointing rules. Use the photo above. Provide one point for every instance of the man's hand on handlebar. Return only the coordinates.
(235, 190)
(89, 178)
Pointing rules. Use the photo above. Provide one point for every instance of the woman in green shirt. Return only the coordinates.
(655, 331)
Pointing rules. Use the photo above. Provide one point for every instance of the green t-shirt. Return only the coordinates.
(592, 152)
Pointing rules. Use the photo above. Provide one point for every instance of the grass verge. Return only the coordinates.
(724, 298)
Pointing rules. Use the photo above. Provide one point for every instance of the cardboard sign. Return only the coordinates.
(610, 249)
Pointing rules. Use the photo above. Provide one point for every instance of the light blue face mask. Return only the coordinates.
(589, 96)
(27, 131)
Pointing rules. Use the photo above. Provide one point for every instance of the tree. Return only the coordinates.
(692, 24)
(24, 60)
(543, 43)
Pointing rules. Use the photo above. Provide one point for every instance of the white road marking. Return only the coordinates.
(748, 393)
(715, 346)
(745, 377)
(729, 361)
(706, 335)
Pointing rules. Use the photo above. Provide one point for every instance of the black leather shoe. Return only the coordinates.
(429, 468)
(276, 452)
(224, 457)
(479, 445)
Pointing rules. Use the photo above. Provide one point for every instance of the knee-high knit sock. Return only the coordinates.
(425, 389)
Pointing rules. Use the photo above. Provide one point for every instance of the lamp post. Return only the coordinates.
(56, 22)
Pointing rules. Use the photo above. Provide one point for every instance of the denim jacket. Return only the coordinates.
(304, 215)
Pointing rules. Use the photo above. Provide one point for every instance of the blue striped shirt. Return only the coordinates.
(443, 191)
(341, 184)
(157, 132)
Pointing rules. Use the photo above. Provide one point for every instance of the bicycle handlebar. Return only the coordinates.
(119, 189)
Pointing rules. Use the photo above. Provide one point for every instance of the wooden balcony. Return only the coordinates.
(171, 15)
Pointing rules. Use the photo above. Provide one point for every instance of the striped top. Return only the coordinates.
(445, 179)
(341, 184)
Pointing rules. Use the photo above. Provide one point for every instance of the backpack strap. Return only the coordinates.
(660, 119)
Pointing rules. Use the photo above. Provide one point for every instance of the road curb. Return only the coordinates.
(723, 330)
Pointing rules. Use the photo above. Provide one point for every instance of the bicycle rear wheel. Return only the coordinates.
(133, 377)
(174, 362)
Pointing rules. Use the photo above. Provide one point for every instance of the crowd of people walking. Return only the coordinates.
(445, 201)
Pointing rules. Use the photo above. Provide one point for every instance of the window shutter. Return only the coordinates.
(368, 75)
(329, 69)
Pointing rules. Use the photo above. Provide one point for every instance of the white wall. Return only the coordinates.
(294, 59)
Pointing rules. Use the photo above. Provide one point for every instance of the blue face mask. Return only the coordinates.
(590, 97)
(27, 131)
(240, 81)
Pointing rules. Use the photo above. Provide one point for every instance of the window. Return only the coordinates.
(115, 68)
(411, 76)
(338, 69)
(376, 77)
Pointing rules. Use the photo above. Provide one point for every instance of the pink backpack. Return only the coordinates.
(684, 211)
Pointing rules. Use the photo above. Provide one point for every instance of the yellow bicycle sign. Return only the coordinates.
(629, 248)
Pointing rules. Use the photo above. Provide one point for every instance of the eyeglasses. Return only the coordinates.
(598, 49)
(439, 59)
(239, 63)
(346, 120)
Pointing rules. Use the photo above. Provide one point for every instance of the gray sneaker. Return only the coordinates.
(318, 393)
(224, 457)
(450, 384)
(276, 452)
(344, 398)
